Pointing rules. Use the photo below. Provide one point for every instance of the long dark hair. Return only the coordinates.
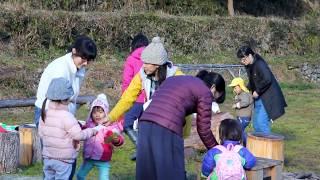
(43, 110)
(230, 129)
(140, 40)
(85, 47)
(213, 78)
(162, 71)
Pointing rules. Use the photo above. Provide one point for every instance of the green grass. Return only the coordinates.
(300, 126)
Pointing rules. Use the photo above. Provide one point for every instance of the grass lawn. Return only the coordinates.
(300, 126)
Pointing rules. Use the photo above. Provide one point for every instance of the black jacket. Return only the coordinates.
(265, 84)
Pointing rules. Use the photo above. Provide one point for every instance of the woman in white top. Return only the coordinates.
(71, 67)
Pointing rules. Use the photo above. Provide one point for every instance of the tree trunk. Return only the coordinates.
(162, 4)
(230, 8)
(30, 146)
(9, 152)
(194, 141)
(146, 5)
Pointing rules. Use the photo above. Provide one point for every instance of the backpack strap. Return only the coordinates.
(221, 148)
(237, 148)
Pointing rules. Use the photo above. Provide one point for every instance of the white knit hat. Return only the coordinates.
(155, 53)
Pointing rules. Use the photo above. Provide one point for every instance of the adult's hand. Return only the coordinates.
(255, 95)
(106, 121)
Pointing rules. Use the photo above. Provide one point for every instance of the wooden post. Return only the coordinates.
(266, 146)
(36, 146)
(9, 152)
(25, 151)
(30, 146)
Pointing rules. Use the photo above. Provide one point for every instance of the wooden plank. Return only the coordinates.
(25, 150)
(264, 163)
(255, 174)
(276, 172)
(210, 66)
(12, 103)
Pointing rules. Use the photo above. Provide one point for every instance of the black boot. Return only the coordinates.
(133, 136)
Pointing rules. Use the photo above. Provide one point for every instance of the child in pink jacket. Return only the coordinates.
(132, 66)
(97, 151)
(59, 131)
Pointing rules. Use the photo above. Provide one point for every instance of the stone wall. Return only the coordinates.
(310, 72)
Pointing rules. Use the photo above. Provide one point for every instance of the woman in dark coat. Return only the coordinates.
(269, 101)
(160, 151)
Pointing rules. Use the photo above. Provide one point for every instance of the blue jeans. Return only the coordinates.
(55, 169)
(261, 121)
(133, 114)
(37, 114)
(88, 164)
(244, 121)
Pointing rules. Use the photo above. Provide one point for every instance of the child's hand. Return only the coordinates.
(76, 144)
(95, 131)
(116, 138)
(108, 137)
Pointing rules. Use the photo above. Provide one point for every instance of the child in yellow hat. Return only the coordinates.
(243, 104)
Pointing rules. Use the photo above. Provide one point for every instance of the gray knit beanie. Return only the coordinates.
(155, 53)
(59, 89)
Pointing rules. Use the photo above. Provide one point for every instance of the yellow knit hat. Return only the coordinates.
(238, 81)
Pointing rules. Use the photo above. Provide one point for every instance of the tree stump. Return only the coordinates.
(194, 140)
(9, 152)
(30, 145)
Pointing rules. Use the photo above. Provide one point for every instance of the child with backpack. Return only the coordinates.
(243, 104)
(97, 151)
(60, 131)
(228, 160)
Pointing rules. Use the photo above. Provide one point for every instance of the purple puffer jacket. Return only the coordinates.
(177, 97)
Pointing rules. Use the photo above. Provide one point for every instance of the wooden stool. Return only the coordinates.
(266, 146)
(265, 168)
(30, 146)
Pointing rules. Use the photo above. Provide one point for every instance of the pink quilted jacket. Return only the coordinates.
(96, 148)
(59, 133)
(132, 66)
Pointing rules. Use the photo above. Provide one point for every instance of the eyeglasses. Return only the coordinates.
(244, 59)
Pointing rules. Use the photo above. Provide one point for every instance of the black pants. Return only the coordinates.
(74, 166)
(160, 153)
